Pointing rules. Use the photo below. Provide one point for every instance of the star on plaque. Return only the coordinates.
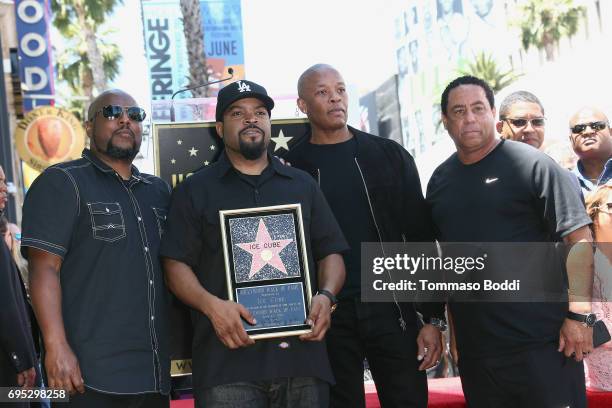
(179, 142)
(206, 163)
(212, 147)
(173, 161)
(265, 250)
(193, 152)
(281, 141)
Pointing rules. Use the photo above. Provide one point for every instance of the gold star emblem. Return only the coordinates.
(281, 141)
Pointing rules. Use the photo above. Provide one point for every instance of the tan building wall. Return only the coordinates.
(8, 32)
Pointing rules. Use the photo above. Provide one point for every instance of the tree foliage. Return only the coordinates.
(544, 22)
(486, 68)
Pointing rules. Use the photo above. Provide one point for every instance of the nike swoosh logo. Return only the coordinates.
(491, 180)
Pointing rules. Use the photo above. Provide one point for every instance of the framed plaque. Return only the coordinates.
(266, 265)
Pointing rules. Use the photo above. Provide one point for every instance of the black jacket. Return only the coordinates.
(17, 352)
(393, 187)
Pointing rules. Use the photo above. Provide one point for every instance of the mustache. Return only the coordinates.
(124, 129)
(251, 126)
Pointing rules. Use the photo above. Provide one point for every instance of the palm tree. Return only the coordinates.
(485, 68)
(73, 67)
(544, 22)
(83, 18)
(194, 37)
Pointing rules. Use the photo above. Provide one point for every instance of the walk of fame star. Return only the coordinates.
(265, 250)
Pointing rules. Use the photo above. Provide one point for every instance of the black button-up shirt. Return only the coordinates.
(193, 236)
(114, 303)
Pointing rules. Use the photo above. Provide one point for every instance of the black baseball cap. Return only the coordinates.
(240, 90)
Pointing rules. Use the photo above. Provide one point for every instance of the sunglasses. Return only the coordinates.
(596, 126)
(521, 123)
(113, 112)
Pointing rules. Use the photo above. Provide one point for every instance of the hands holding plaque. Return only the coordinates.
(267, 276)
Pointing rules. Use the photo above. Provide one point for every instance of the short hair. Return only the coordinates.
(310, 71)
(466, 80)
(514, 97)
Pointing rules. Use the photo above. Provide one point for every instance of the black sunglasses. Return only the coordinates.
(596, 126)
(521, 123)
(113, 112)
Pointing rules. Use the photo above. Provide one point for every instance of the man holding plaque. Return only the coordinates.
(257, 254)
(373, 188)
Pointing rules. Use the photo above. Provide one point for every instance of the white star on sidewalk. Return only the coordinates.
(281, 141)
(193, 152)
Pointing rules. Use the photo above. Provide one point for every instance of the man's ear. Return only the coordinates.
(219, 128)
(302, 105)
(444, 122)
(499, 126)
(89, 128)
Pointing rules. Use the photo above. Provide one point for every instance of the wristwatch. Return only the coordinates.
(588, 319)
(435, 322)
(330, 296)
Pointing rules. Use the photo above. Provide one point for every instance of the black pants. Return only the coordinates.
(371, 330)
(536, 378)
(95, 399)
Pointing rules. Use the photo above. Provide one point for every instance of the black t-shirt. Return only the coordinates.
(341, 182)
(514, 194)
(193, 236)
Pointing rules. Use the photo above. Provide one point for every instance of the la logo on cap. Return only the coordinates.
(242, 87)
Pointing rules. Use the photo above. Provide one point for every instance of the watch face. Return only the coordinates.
(590, 319)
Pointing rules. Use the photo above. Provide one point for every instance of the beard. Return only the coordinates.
(119, 153)
(252, 151)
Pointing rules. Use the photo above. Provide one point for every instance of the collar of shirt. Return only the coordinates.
(275, 166)
(603, 178)
(105, 168)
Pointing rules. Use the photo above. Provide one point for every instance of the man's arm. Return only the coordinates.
(331, 275)
(575, 338)
(15, 336)
(225, 316)
(61, 364)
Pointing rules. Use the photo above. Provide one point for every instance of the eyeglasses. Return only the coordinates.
(114, 112)
(521, 122)
(596, 126)
(606, 208)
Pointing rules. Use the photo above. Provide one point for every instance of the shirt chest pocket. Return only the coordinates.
(107, 221)
(160, 217)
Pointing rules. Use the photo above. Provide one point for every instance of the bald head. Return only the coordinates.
(590, 135)
(587, 111)
(102, 100)
(311, 73)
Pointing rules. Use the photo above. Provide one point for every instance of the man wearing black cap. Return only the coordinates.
(229, 368)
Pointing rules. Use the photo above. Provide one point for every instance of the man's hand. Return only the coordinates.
(226, 318)
(63, 369)
(27, 378)
(575, 339)
(319, 318)
(429, 342)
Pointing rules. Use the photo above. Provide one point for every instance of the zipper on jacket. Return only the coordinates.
(401, 320)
